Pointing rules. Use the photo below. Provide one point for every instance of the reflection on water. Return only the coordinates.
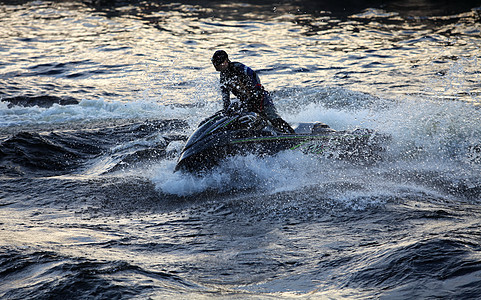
(89, 204)
(153, 50)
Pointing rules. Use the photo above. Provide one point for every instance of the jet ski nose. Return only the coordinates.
(319, 127)
(312, 128)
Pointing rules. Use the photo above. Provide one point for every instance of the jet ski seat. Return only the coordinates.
(312, 128)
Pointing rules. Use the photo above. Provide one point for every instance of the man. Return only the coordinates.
(244, 83)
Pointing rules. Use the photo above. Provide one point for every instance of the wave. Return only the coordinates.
(40, 101)
(85, 111)
(428, 138)
(47, 275)
(80, 150)
(434, 149)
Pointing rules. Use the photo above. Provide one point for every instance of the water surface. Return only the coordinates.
(98, 98)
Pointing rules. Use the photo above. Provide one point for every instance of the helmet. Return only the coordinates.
(219, 57)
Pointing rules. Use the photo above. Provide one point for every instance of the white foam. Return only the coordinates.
(435, 129)
(184, 184)
(335, 118)
(268, 174)
(442, 131)
(89, 109)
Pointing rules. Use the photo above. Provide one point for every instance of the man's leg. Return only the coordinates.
(270, 112)
(282, 125)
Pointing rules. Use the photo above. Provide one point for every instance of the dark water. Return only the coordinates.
(98, 97)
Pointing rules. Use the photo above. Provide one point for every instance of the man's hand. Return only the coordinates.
(252, 121)
(248, 119)
(233, 108)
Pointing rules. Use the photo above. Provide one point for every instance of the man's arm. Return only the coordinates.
(225, 98)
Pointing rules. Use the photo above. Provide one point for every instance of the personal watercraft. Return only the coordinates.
(223, 135)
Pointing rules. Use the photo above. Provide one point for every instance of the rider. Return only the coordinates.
(244, 83)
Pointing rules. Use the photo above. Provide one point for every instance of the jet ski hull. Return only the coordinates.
(220, 137)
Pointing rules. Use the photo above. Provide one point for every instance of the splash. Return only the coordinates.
(430, 139)
(89, 110)
(432, 129)
(239, 173)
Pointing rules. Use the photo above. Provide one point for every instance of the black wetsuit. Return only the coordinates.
(244, 83)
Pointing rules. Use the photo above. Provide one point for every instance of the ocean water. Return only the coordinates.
(98, 98)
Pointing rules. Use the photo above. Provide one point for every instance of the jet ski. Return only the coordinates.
(223, 135)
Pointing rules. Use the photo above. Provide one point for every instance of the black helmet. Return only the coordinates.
(219, 57)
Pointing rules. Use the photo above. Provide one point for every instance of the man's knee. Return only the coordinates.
(282, 125)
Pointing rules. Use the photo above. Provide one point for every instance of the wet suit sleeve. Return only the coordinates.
(225, 98)
(225, 91)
